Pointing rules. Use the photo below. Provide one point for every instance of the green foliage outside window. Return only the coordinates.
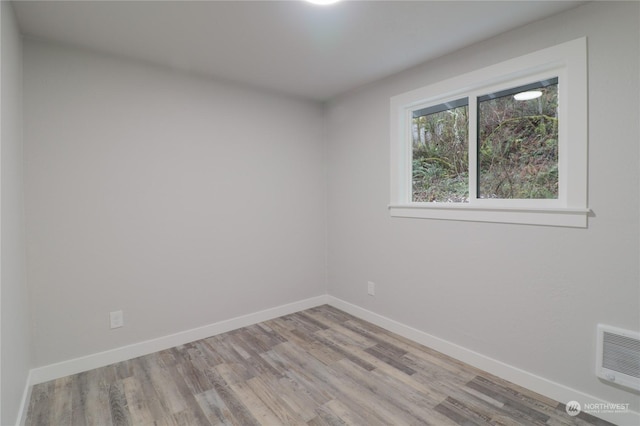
(518, 147)
(441, 156)
(517, 150)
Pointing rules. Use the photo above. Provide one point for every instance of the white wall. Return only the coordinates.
(15, 355)
(527, 296)
(179, 200)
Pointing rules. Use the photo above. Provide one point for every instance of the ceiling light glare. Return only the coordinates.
(525, 96)
(323, 2)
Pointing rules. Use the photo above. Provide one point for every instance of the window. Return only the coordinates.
(507, 143)
(440, 160)
(518, 142)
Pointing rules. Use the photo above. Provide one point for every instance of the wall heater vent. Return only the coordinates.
(618, 356)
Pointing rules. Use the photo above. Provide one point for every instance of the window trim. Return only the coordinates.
(567, 62)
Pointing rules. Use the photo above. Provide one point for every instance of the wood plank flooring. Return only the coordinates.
(316, 367)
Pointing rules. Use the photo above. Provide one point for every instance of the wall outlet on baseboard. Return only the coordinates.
(371, 288)
(116, 319)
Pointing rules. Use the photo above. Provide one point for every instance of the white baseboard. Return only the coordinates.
(508, 372)
(101, 359)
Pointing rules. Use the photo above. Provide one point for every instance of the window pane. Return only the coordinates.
(518, 142)
(440, 168)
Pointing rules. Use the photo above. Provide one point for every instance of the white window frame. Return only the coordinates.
(568, 62)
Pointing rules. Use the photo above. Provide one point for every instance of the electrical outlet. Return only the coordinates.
(116, 319)
(371, 288)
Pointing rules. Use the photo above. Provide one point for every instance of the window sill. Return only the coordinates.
(573, 218)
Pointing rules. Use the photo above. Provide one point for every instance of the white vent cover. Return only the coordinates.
(618, 356)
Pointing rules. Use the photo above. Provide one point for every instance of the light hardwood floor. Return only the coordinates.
(316, 367)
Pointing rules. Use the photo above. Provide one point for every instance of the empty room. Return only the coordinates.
(292, 213)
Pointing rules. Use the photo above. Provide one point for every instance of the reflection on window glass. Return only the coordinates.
(518, 142)
(440, 168)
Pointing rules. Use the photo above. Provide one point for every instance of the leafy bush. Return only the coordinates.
(440, 156)
(517, 150)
